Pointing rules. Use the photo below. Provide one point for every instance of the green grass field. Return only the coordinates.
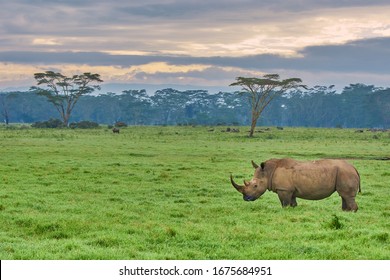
(164, 193)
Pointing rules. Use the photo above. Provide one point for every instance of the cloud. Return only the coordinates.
(195, 40)
(46, 41)
(196, 28)
(207, 75)
(371, 56)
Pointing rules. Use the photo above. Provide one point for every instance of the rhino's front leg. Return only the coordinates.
(293, 201)
(349, 204)
(286, 198)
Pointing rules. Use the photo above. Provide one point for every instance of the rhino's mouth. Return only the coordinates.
(249, 198)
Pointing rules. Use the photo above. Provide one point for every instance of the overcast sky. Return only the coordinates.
(196, 42)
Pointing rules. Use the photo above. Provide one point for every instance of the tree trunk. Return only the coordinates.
(253, 125)
(6, 119)
(6, 116)
(66, 119)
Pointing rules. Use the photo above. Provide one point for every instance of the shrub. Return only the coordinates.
(120, 124)
(51, 123)
(84, 125)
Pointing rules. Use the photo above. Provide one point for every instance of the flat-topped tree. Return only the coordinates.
(64, 92)
(261, 91)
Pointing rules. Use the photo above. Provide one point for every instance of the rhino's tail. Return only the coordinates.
(360, 189)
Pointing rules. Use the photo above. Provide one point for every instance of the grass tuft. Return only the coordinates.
(335, 223)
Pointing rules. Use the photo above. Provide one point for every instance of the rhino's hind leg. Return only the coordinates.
(349, 204)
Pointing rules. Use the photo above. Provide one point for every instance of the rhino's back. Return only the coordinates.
(311, 179)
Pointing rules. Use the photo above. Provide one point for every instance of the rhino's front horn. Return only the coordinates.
(237, 186)
(254, 165)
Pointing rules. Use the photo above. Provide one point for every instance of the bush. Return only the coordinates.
(120, 124)
(84, 125)
(335, 223)
(52, 123)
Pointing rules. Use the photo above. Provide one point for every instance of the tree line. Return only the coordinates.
(357, 105)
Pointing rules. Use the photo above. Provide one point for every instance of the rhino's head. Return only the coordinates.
(253, 189)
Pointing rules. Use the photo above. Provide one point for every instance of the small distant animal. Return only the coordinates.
(115, 130)
(312, 180)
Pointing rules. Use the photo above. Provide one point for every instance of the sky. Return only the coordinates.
(196, 42)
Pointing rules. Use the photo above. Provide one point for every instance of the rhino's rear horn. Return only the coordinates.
(237, 186)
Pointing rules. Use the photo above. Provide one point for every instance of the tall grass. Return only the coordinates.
(164, 193)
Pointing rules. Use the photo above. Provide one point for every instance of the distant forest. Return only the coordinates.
(357, 106)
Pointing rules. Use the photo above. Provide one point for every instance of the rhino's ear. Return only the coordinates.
(254, 165)
(262, 165)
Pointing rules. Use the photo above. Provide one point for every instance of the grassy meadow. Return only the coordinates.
(164, 193)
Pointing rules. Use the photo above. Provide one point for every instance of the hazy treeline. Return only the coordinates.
(358, 105)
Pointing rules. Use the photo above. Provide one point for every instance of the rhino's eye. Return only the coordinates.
(255, 186)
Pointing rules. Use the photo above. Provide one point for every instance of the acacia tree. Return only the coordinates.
(261, 91)
(64, 92)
